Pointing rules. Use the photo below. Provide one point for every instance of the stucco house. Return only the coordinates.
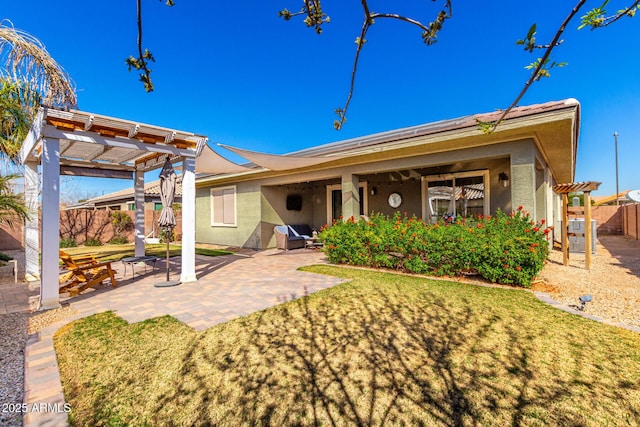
(443, 168)
(124, 200)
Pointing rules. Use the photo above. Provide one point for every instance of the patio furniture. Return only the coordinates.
(313, 243)
(292, 236)
(83, 272)
(133, 260)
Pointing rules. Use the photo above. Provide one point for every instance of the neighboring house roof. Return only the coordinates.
(554, 126)
(151, 190)
(603, 200)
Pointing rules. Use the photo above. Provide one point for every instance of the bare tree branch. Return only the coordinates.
(629, 11)
(342, 112)
(401, 18)
(535, 75)
(142, 61)
(429, 33)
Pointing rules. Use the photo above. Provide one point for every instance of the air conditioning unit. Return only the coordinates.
(577, 242)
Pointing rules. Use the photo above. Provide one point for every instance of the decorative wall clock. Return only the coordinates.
(395, 200)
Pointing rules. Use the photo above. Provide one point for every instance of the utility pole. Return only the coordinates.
(615, 136)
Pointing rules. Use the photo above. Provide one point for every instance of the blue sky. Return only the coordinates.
(237, 73)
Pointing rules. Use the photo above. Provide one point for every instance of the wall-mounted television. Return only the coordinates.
(294, 202)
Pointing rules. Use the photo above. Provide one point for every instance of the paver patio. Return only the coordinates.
(228, 287)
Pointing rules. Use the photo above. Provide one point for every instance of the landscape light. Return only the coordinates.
(583, 300)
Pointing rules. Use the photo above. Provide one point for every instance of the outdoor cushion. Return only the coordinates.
(300, 230)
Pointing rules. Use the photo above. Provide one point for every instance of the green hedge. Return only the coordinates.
(508, 249)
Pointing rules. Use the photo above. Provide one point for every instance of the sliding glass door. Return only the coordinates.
(455, 195)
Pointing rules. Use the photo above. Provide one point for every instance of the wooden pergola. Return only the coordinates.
(564, 190)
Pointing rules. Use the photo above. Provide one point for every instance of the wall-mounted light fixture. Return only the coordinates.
(503, 179)
(373, 191)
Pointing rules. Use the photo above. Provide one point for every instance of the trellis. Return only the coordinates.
(586, 188)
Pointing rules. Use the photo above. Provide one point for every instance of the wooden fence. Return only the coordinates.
(631, 220)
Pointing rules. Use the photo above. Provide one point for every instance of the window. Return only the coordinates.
(157, 206)
(460, 194)
(223, 207)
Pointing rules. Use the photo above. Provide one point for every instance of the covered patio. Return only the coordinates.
(84, 144)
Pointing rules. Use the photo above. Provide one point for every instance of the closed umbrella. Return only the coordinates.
(167, 220)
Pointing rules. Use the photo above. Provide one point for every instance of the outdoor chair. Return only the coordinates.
(292, 236)
(83, 272)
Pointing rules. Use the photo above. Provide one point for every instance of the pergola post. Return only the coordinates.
(138, 196)
(49, 291)
(588, 236)
(188, 272)
(31, 229)
(565, 228)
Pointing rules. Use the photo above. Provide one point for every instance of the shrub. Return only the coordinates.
(508, 249)
(92, 242)
(119, 240)
(67, 242)
(164, 235)
(121, 222)
(4, 257)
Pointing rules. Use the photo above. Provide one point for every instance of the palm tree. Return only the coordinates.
(16, 117)
(29, 78)
(12, 205)
(27, 61)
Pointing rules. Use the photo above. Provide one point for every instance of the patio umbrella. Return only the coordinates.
(167, 220)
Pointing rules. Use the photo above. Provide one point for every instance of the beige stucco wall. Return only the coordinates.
(246, 232)
(261, 203)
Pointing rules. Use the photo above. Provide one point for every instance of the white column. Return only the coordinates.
(138, 186)
(31, 229)
(523, 178)
(49, 293)
(188, 273)
(351, 196)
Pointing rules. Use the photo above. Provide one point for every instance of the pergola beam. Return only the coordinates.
(95, 172)
(134, 144)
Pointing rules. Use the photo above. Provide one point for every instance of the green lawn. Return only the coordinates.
(382, 349)
(116, 252)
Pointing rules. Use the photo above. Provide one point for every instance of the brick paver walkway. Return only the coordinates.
(228, 287)
(14, 298)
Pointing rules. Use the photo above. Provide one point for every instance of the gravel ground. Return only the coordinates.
(613, 281)
(13, 330)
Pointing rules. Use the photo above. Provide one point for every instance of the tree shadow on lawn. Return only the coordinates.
(346, 360)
